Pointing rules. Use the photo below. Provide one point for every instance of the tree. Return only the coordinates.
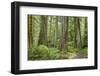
(43, 30)
(64, 33)
(85, 39)
(75, 32)
(30, 35)
(78, 30)
(57, 32)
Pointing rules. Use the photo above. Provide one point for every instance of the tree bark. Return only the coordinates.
(43, 30)
(85, 39)
(64, 34)
(30, 36)
(75, 32)
(79, 44)
(57, 32)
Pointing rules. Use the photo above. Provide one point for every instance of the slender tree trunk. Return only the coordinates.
(85, 39)
(62, 34)
(75, 32)
(57, 32)
(66, 33)
(30, 36)
(50, 32)
(46, 29)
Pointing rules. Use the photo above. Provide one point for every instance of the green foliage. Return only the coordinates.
(85, 52)
(43, 52)
(31, 53)
(72, 49)
(40, 52)
(43, 49)
(53, 53)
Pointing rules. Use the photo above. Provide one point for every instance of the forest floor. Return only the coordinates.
(44, 53)
(79, 56)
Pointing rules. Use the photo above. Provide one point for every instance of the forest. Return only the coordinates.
(57, 37)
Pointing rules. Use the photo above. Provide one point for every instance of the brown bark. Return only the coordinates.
(64, 34)
(43, 30)
(78, 33)
(30, 37)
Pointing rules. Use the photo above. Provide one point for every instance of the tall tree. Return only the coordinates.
(75, 32)
(43, 30)
(78, 37)
(57, 32)
(30, 36)
(85, 39)
(50, 30)
(64, 33)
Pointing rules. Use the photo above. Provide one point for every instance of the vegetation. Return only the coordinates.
(57, 37)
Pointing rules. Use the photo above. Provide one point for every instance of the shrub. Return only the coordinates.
(53, 53)
(31, 53)
(37, 53)
(72, 49)
(42, 52)
(85, 52)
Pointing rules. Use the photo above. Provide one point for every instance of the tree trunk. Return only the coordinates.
(85, 39)
(78, 33)
(64, 33)
(50, 32)
(57, 32)
(43, 30)
(30, 36)
(75, 32)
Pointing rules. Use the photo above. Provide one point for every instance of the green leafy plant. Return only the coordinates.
(85, 52)
(43, 52)
(53, 53)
